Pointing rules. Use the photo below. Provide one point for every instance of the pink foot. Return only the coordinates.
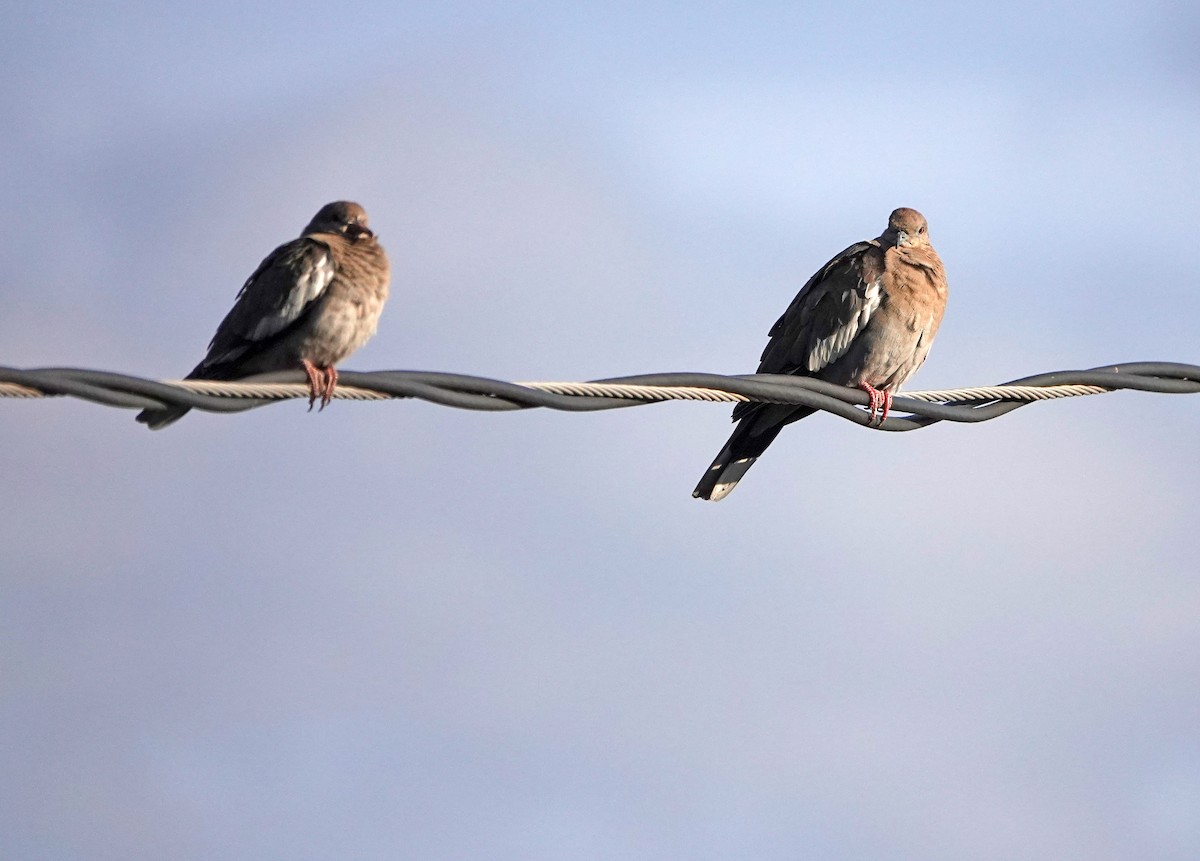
(316, 384)
(881, 402)
(331, 378)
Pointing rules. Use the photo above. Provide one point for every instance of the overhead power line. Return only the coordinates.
(481, 393)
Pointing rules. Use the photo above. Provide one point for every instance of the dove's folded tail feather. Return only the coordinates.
(749, 440)
(160, 418)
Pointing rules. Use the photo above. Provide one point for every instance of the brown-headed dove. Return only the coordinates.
(866, 319)
(310, 304)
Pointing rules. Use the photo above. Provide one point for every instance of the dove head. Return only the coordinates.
(906, 228)
(344, 217)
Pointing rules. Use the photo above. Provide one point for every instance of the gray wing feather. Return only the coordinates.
(856, 306)
(310, 284)
(285, 286)
(825, 317)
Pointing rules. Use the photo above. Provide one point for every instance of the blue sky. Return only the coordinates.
(399, 630)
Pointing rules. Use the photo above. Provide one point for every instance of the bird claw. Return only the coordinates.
(316, 384)
(881, 402)
(331, 378)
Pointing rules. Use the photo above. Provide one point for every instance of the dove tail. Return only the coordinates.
(733, 461)
(722, 477)
(755, 431)
(159, 419)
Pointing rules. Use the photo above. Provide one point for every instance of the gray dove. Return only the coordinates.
(310, 304)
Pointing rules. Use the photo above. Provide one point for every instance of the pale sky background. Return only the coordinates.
(403, 631)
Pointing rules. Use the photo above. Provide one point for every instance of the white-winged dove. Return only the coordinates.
(866, 319)
(310, 304)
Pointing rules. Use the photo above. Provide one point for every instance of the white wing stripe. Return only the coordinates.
(309, 285)
(832, 347)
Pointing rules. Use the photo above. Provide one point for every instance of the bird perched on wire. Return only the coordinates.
(310, 304)
(866, 319)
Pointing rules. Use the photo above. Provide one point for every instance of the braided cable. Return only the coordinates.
(979, 403)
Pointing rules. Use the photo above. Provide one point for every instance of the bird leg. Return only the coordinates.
(331, 378)
(887, 407)
(316, 384)
(879, 398)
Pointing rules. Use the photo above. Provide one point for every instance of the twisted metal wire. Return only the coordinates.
(481, 393)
